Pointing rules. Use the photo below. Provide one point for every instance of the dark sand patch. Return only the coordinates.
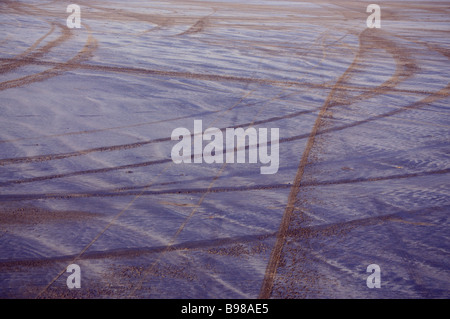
(33, 215)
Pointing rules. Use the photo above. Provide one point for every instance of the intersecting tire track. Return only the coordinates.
(310, 231)
(338, 96)
(258, 187)
(405, 68)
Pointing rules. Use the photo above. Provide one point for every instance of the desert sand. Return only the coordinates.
(86, 175)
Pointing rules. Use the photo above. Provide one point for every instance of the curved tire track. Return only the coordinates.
(336, 97)
(303, 232)
(416, 105)
(84, 54)
(260, 187)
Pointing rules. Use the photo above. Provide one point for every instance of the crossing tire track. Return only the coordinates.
(336, 97)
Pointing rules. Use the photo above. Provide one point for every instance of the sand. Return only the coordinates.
(86, 175)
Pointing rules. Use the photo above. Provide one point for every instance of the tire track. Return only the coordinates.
(145, 123)
(333, 229)
(336, 97)
(49, 157)
(426, 101)
(266, 290)
(148, 270)
(79, 173)
(19, 61)
(445, 92)
(103, 170)
(40, 158)
(190, 191)
(32, 47)
(209, 76)
(84, 54)
(385, 86)
(113, 220)
(57, 69)
(345, 88)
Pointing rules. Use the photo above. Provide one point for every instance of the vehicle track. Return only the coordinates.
(291, 115)
(367, 38)
(304, 251)
(262, 187)
(416, 105)
(207, 77)
(333, 229)
(342, 93)
(84, 54)
(19, 61)
(28, 52)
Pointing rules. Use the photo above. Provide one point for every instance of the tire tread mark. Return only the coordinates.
(129, 191)
(335, 97)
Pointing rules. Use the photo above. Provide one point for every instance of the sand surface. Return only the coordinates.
(86, 175)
